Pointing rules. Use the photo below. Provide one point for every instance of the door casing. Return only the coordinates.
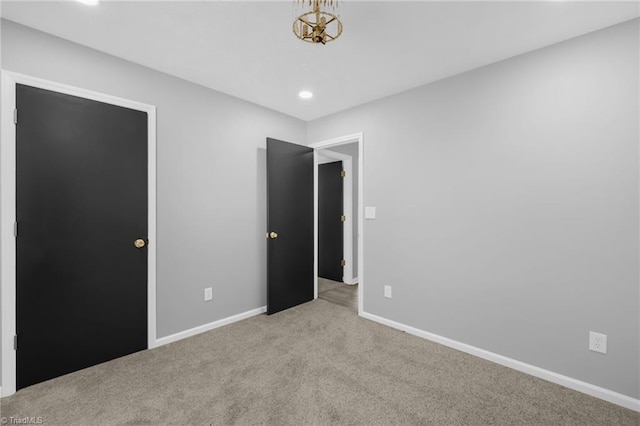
(318, 147)
(8, 210)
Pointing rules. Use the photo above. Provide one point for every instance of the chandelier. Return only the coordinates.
(318, 22)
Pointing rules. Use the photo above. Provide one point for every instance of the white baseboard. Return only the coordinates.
(571, 383)
(353, 281)
(210, 326)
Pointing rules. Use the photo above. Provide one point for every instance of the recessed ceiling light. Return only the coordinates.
(89, 2)
(305, 94)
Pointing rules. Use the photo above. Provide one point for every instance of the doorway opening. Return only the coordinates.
(340, 153)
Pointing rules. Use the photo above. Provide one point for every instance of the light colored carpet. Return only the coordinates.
(314, 364)
(339, 293)
(325, 285)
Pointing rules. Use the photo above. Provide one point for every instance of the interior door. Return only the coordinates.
(290, 225)
(81, 204)
(330, 223)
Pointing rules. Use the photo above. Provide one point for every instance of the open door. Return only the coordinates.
(330, 221)
(290, 220)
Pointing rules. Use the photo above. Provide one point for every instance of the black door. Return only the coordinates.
(289, 224)
(81, 182)
(330, 224)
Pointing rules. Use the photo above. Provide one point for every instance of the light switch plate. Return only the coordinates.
(369, 212)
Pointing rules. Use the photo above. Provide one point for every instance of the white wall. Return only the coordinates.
(507, 206)
(211, 174)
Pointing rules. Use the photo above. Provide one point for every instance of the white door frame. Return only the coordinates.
(343, 140)
(8, 210)
(347, 207)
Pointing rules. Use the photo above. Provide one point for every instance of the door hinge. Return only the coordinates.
(15, 116)
(343, 262)
(15, 229)
(15, 343)
(343, 173)
(343, 218)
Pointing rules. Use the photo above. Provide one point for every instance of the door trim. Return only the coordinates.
(347, 210)
(9, 80)
(343, 140)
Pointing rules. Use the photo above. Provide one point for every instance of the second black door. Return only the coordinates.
(81, 204)
(330, 223)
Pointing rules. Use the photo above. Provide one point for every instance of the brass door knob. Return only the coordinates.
(273, 235)
(139, 243)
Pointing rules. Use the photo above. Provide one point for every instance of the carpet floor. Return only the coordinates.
(340, 293)
(314, 364)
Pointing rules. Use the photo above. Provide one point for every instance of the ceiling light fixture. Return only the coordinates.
(89, 2)
(318, 21)
(305, 94)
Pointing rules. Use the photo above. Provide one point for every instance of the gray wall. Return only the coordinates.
(211, 175)
(507, 206)
(352, 150)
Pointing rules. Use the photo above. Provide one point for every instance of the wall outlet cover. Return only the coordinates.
(598, 342)
(387, 291)
(208, 293)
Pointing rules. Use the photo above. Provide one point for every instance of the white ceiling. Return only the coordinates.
(248, 50)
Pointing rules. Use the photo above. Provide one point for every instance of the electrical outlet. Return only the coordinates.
(598, 342)
(387, 291)
(208, 294)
